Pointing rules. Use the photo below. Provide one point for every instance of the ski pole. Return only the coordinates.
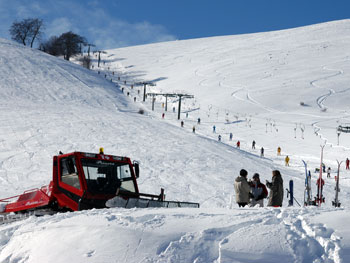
(288, 193)
(296, 201)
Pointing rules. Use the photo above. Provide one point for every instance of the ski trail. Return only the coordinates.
(249, 99)
(321, 99)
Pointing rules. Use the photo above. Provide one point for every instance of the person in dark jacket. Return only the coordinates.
(242, 189)
(262, 152)
(258, 191)
(276, 189)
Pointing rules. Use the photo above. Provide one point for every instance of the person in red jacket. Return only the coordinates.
(320, 184)
(238, 144)
(258, 191)
(347, 163)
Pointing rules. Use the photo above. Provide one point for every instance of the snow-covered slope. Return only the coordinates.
(288, 88)
(250, 85)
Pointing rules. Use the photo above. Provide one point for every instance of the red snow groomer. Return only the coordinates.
(88, 180)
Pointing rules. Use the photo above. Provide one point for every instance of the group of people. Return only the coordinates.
(253, 192)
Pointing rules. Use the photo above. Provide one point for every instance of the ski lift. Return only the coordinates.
(344, 128)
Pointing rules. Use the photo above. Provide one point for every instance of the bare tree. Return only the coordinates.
(52, 46)
(27, 31)
(70, 44)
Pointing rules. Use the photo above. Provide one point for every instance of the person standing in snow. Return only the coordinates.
(214, 129)
(287, 160)
(199, 121)
(258, 191)
(238, 144)
(182, 123)
(262, 152)
(320, 184)
(276, 189)
(329, 172)
(242, 189)
(194, 129)
(347, 163)
(219, 138)
(253, 145)
(279, 151)
(231, 136)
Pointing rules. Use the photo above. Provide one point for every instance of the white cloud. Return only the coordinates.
(121, 33)
(59, 26)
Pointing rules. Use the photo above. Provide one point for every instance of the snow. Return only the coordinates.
(250, 85)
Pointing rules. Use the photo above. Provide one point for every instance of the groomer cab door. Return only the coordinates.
(70, 183)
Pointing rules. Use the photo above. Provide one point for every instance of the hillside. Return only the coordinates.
(250, 85)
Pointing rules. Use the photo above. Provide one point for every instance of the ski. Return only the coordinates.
(336, 202)
(320, 182)
(290, 194)
(307, 191)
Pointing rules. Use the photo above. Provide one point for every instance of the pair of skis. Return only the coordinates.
(320, 182)
(307, 191)
(336, 202)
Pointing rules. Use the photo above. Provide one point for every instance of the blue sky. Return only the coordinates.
(119, 23)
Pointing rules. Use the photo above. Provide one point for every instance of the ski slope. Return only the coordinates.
(250, 85)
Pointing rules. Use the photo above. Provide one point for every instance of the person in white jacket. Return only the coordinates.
(242, 189)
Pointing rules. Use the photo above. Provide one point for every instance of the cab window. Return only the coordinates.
(69, 173)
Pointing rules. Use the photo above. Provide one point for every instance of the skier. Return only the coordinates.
(258, 191)
(199, 120)
(329, 172)
(163, 114)
(214, 129)
(347, 163)
(276, 189)
(238, 144)
(194, 129)
(287, 160)
(182, 123)
(173, 109)
(242, 189)
(219, 138)
(279, 151)
(323, 167)
(262, 152)
(231, 135)
(253, 145)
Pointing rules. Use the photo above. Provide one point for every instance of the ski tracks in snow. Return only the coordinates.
(321, 99)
